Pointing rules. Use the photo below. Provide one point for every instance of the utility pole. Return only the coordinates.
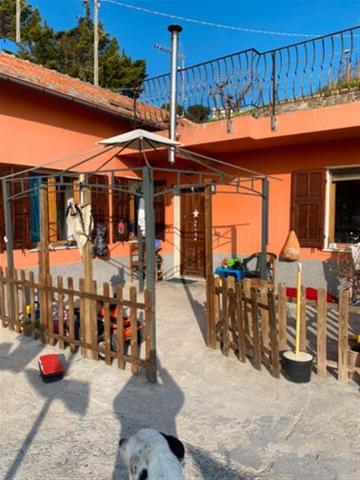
(18, 14)
(96, 42)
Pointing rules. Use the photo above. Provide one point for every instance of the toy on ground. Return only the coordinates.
(51, 368)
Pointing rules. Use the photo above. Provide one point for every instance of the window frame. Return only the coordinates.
(330, 207)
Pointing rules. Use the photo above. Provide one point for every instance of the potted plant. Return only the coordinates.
(297, 365)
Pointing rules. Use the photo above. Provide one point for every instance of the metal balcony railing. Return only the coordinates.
(250, 79)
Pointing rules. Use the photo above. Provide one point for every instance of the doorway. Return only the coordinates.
(192, 247)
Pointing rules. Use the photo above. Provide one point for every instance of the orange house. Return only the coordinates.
(312, 159)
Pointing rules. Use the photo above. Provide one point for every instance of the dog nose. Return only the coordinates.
(122, 441)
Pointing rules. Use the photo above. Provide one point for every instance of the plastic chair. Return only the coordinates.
(255, 272)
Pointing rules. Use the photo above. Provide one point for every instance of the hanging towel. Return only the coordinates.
(79, 222)
(141, 216)
(355, 252)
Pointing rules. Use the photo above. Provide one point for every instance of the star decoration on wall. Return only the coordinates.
(196, 213)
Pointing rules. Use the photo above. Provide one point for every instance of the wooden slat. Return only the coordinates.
(32, 303)
(148, 333)
(216, 308)
(225, 318)
(265, 340)
(43, 309)
(274, 336)
(282, 317)
(133, 325)
(94, 324)
(247, 308)
(240, 322)
(2, 298)
(303, 321)
(120, 328)
(71, 326)
(321, 333)
(26, 327)
(343, 345)
(51, 341)
(107, 326)
(256, 329)
(60, 305)
(16, 301)
(8, 296)
(82, 311)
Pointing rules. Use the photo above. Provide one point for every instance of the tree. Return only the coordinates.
(71, 51)
(198, 113)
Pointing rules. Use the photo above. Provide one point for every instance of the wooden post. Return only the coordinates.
(216, 309)
(16, 301)
(225, 303)
(44, 267)
(255, 327)
(87, 321)
(9, 295)
(265, 337)
(32, 303)
(107, 327)
(247, 309)
(343, 345)
(71, 326)
(210, 332)
(240, 322)
(120, 326)
(60, 304)
(321, 333)
(133, 326)
(25, 326)
(274, 337)
(282, 317)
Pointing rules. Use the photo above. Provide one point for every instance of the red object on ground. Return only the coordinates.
(51, 368)
(310, 293)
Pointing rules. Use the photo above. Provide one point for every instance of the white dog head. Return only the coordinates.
(151, 455)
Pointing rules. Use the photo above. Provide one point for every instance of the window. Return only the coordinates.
(307, 207)
(125, 208)
(343, 195)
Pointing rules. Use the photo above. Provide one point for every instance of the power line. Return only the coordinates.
(210, 24)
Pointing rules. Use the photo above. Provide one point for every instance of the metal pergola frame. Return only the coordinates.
(213, 173)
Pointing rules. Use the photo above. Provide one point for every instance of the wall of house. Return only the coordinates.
(36, 129)
(237, 218)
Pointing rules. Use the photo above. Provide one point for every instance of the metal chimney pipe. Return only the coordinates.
(174, 30)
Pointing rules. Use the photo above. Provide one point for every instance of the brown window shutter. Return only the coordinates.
(120, 206)
(100, 201)
(159, 208)
(307, 207)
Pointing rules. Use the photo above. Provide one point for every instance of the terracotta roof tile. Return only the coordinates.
(13, 68)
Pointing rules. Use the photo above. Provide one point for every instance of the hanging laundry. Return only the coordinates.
(100, 248)
(79, 222)
(141, 216)
(355, 253)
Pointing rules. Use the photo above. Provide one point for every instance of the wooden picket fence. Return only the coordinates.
(254, 322)
(54, 298)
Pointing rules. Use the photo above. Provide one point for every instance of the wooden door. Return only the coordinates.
(192, 234)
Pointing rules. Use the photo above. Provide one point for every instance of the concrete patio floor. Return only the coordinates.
(236, 422)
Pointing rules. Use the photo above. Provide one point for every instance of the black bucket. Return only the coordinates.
(297, 368)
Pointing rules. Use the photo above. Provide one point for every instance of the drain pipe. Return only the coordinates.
(174, 30)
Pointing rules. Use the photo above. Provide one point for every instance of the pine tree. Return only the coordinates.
(71, 51)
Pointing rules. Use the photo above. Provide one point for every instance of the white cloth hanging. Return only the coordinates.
(79, 223)
(355, 253)
(141, 216)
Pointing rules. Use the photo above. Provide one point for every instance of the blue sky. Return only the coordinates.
(137, 32)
